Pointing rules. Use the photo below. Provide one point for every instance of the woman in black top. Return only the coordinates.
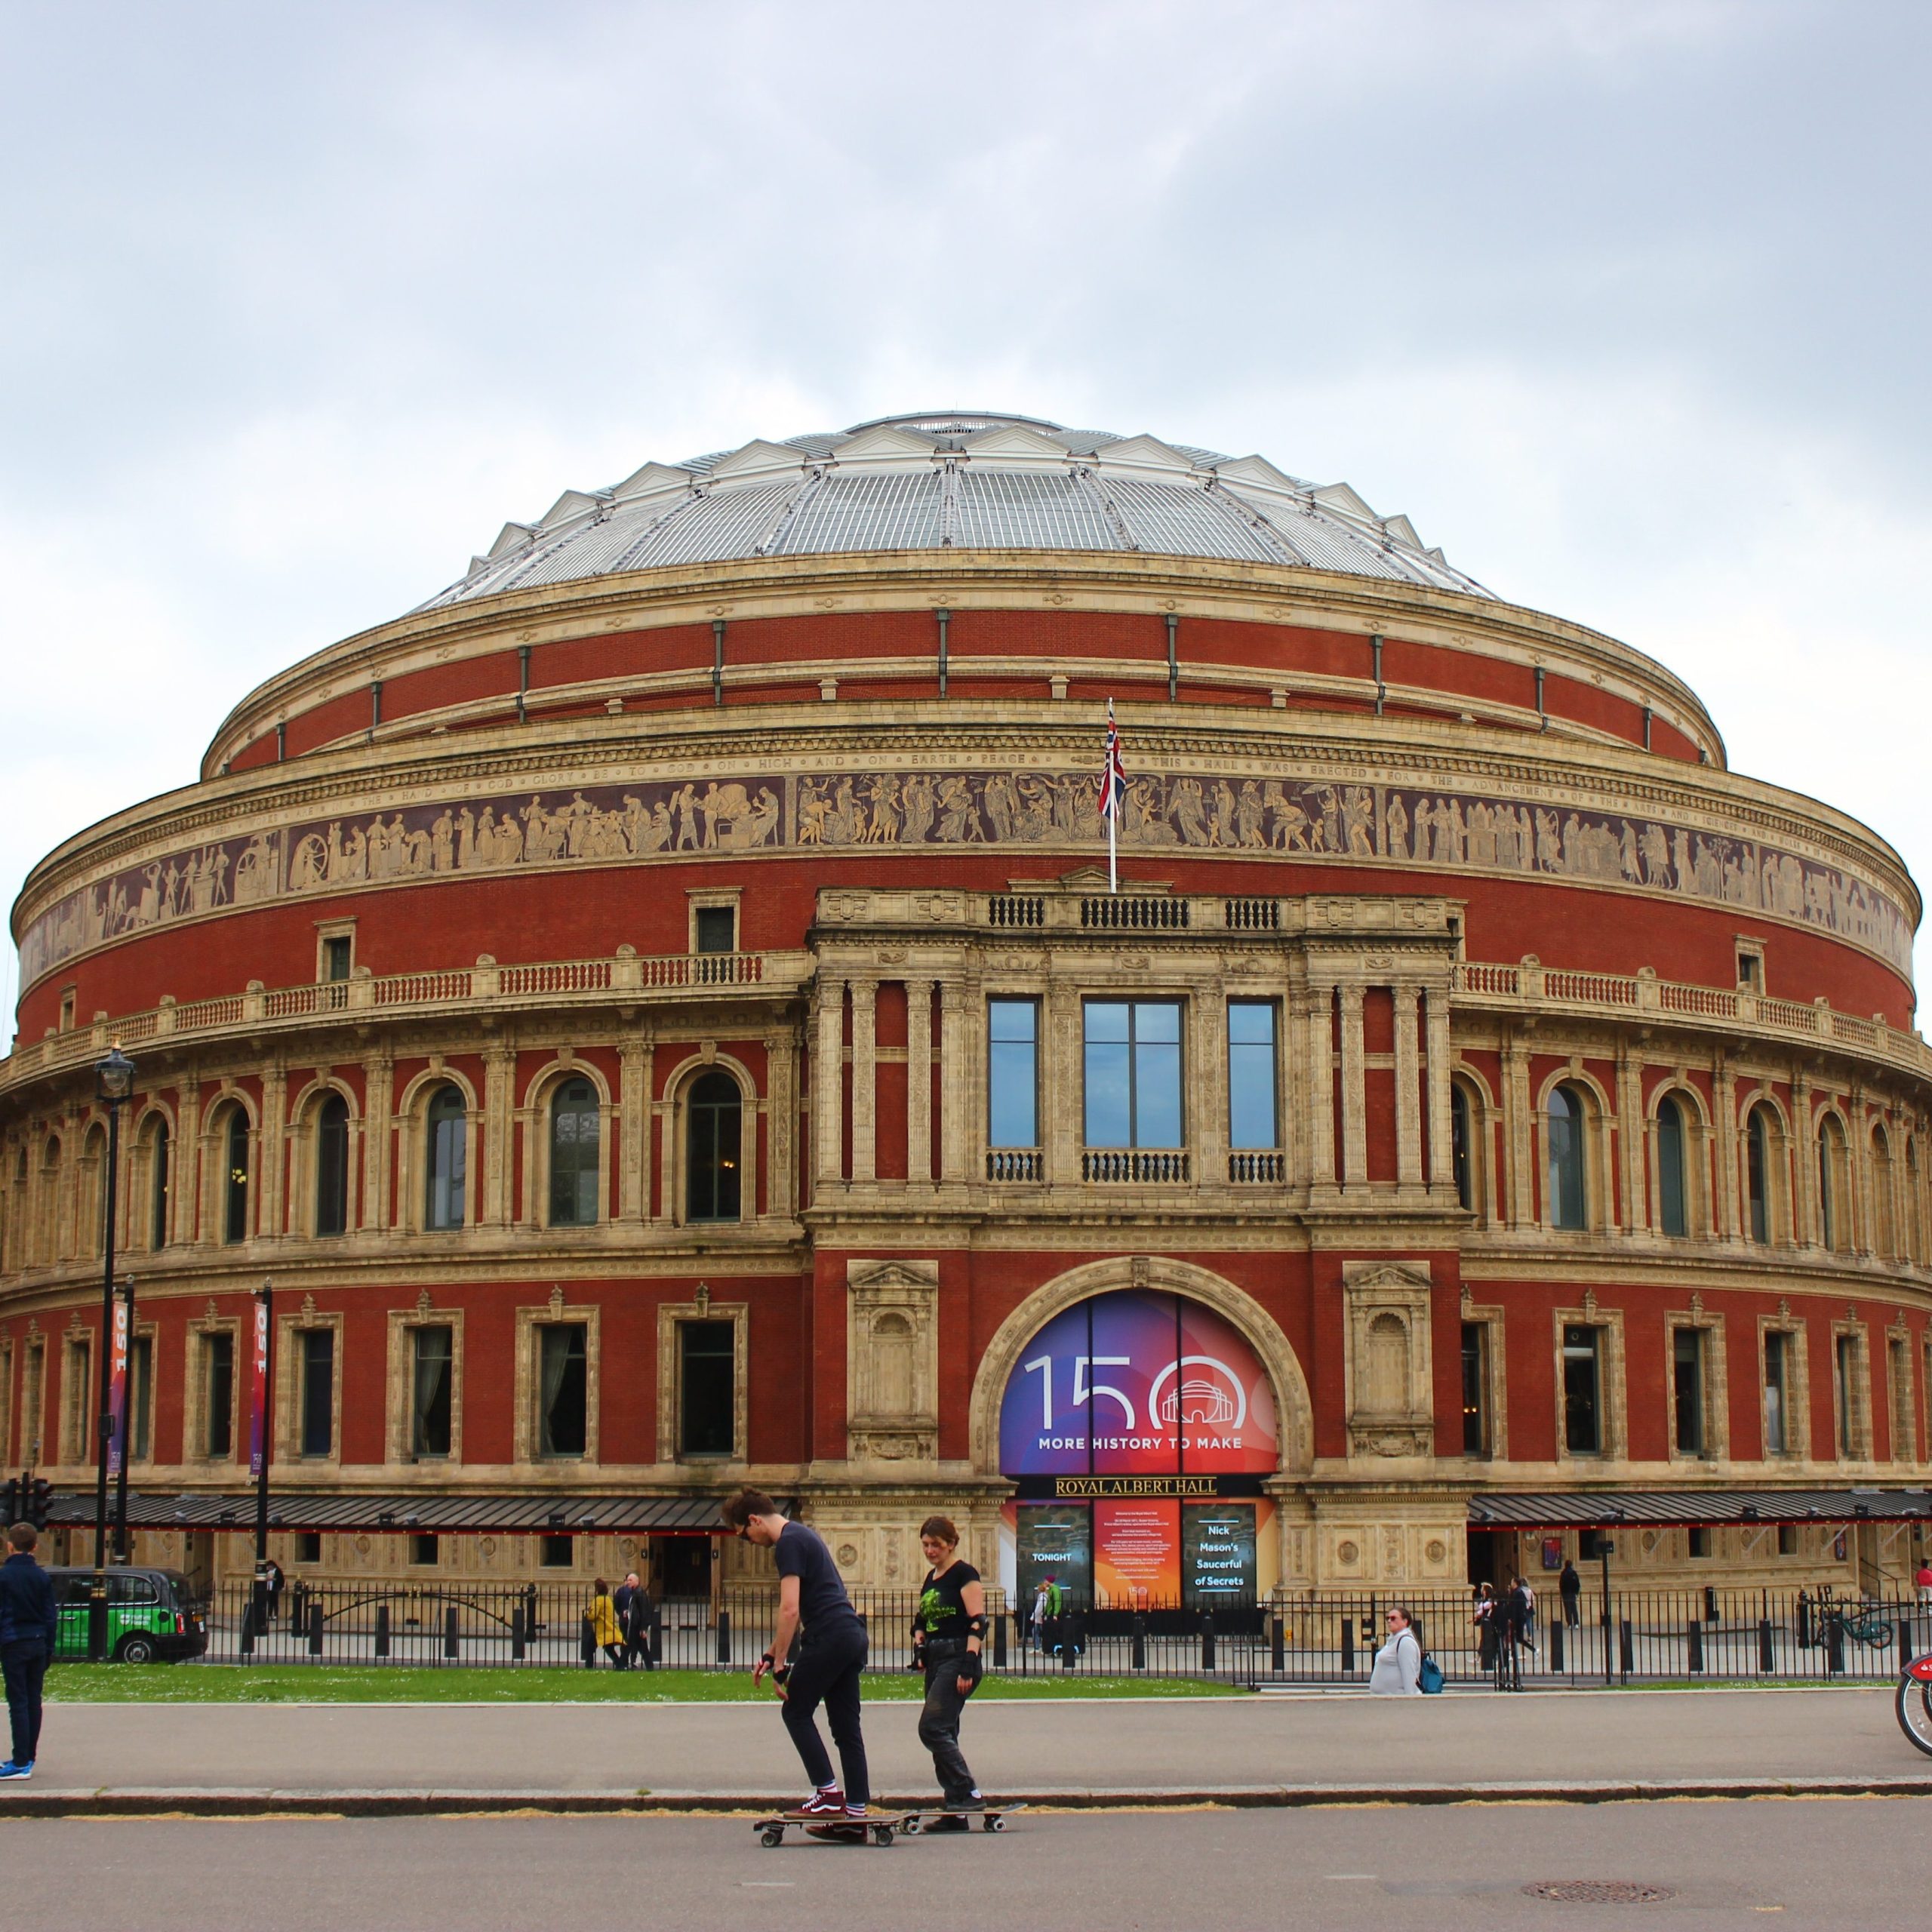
(948, 1629)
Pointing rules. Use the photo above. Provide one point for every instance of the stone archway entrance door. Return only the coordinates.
(1138, 1426)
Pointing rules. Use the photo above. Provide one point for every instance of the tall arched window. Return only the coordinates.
(1569, 1201)
(94, 1183)
(159, 1180)
(715, 1111)
(1462, 1146)
(332, 1166)
(573, 1155)
(1883, 1242)
(1673, 1207)
(444, 1156)
(234, 1179)
(1834, 1225)
(1911, 1244)
(1758, 1172)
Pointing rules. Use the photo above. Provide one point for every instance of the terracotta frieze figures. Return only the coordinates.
(1317, 819)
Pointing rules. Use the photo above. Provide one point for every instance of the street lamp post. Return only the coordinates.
(124, 1420)
(113, 1082)
(261, 1428)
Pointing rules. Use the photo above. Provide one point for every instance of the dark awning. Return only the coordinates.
(1598, 1509)
(444, 1515)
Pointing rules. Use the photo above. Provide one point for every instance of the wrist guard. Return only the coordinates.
(969, 1667)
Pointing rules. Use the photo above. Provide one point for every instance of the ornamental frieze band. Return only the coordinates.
(1283, 818)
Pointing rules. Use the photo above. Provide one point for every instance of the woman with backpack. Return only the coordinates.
(1397, 1672)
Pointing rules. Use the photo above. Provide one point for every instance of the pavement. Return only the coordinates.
(375, 1759)
(1718, 1867)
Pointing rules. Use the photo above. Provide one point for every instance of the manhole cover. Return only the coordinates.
(1598, 1891)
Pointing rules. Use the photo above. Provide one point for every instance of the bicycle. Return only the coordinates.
(1914, 1702)
(1864, 1622)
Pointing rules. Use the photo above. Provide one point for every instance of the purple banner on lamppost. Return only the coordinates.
(258, 1430)
(117, 1391)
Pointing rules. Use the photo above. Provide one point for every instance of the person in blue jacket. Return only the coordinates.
(29, 1623)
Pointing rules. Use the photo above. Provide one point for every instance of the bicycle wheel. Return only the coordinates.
(1914, 1702)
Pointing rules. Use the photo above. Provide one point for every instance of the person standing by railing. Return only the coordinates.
(831, 1660)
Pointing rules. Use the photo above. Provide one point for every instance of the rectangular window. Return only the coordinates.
(1699, 1539)
(338, 955)
(1254, 1110)
(716, 928)
(79, 1403)
(1787, 1539)
(1590, 1544)
(563, 1387)
(308, 1546)
(556, 1553)
(1583, 1390)
(1777, 1367)
(422, 1549)
(317, 1364)
(1013, 1073)
(1900, 1364)
(1847, 1392)
(218, 1368)
(1475, 1389)
(140, 1398)
(1687, 1388)
(707, 1389)
(432, 1369)
(1133, 1073)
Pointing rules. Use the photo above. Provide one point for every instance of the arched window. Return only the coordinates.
(716, 1112)
(1885, 1221)
(234, 1180)
(1569, 1201)
(444, 1156)
(158, 1182)
(1462, 1146)
(573, 1155)
(1673, 1209)
(1834, 1225)
(1910, 1227)
(1758, 1172)
(94, 1182)
(332, 1166)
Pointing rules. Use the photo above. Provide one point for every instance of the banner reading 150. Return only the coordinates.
(1138, 1382)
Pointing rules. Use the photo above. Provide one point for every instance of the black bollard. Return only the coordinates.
(1348, 1647)
(1767, 1656)
(999, 1643)
(1207, 1640)
(1556, 1642)
(1277, 1644)
(247, 1644)
(315, 1629)
(1139, 1656)
(450, 1646)
(1694, 1656)
(1835, 1646)
(586, 1642)
(519, 1643)
(723, 1636)
(1626, 1650)
(382, 1629)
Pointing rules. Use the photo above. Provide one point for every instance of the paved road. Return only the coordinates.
(1793, 1864)
(1193, 1744)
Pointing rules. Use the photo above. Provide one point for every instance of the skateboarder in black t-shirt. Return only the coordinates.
(831, 1654)
(949, 1628)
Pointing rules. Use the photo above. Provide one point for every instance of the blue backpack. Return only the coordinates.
(1431, 1678)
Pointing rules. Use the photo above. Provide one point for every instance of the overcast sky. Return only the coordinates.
(1625, 305)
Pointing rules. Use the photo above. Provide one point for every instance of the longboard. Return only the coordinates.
(991, 1817)
(879, 1826)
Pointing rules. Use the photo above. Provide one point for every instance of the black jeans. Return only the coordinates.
(939, 1722)
(826, 1671)
(24, 1666)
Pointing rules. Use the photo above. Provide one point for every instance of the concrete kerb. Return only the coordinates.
(131, 1803)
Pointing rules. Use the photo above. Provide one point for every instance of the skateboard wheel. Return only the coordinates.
(771, 1835)
(911, 1827)
(882, 1835)
(993, 1824)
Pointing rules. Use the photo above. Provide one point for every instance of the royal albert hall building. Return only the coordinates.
(657, 1013)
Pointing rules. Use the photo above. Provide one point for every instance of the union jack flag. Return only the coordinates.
(1113, 776)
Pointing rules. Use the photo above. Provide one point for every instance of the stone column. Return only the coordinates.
(1724, 1091)
(829, 1083)
(781, 1122)
(1297, 1090)
(1355, 1096)
(634, 1057)
(1630, 1136)
(1322, 1085)
(270, 1204)
(378, 1133)
(1804, 1227)
(919, 1082)
(1062, 1086)
(956, 1090)
(1442, 1137)
(864, 1080)
(1408, 1087)
(1520, 1136)
(1205, 1058)
(184, 1188)
(498, 1069)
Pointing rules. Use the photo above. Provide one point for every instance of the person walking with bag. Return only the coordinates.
(1397, 1671)
(831, 1660)
(633, 1604)
(29, 1625)
(1486, 1633)
(948, 1631)
(606, 1634)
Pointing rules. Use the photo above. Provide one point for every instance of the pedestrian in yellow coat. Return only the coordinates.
(605, 1631)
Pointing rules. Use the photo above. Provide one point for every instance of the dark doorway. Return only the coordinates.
(1486, 1560)
(681, 1567)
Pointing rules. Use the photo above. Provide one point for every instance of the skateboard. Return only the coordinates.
(991, 1817)
(879, 1826)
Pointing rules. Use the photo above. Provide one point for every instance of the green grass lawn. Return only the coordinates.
(298, 1684)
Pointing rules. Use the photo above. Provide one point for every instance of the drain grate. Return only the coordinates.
(1598, 1891)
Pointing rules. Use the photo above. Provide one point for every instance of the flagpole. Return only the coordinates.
(1113, 864)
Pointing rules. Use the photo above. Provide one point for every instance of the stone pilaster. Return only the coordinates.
(781, 1124)
(1516, 1100)
(864, 1080)
(956, 1089)
(270, 1206)
(378, 1128)
(919, 1082)
(498, 1069)
(829, 1083)
(634, 1056)
(1408, 1087)
(1355, 1096)
(1322, 1085)
(1724, 1089)
(1441, 1139)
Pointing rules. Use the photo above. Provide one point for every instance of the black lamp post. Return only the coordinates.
(126, 1423)
(113, 1083)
